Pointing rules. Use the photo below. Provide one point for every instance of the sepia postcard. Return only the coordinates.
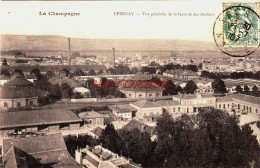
(120, 84)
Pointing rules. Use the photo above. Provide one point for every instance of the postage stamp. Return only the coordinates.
(240, 25)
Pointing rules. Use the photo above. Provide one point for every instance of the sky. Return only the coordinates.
(98, 21)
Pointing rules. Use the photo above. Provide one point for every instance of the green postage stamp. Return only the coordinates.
(240, 25)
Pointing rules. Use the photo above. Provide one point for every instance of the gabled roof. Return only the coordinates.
(137, 124)
(121, 108)
(145, 104)
(18, 81)
(47, 149)
(192, 96)
(37, 117)
(224, 99)
(21, 92)
(97, 131)
(246, 98)
(167, 103)
(90, 114)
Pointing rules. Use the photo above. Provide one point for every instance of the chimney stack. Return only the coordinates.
(69, 55)
(114, 58)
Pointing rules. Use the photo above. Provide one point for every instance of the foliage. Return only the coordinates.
(19, 72)
(78, 72)
(238, 89)
(5, 72)
(219, 86)
(171, 90)
(100, 71)
(36, 72)
(246, 88)
(110, 139)
(92, 72)
(74, 142)
(4, 63)
(190, 87)
(213, 138)
(66, 91)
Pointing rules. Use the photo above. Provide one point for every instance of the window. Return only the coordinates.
(150, 95)
(5, 105)
(173, 109)
(18, 104)
(140, 95)
(224, 106)
(256, 110)
(98, 120)
(238, 106)
(228, 105)
(90, 121)
(31, 103)
(187, 110)
(250, 109)
(179, 109)
(130, 95)
(219, 106)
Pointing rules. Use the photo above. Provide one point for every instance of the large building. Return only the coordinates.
(37, 152)
(122, 111)
(194, 102)
(49, 120)
(182, 74)
(20, 93)
(232, 83)
(147, 111)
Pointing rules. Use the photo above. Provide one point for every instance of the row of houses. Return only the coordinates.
(147, 111)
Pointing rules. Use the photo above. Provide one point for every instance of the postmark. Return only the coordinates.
(236, 29)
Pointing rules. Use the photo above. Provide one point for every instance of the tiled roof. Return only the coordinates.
(97, 131)
(21, 92)
(47, 149)
(122, 108)
(224, 99)
(36, 117)
(91, 160)
(145, 104)
(18, 81)
(90, 114)
(192, 96)
(246, 98)
(167, 103)
(136, 124)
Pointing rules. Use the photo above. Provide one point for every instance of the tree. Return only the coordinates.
(137, 145)
(79, 72)
(246, 88)
(190, 87)
(212, 138)
(49, 74)
(66, 71)
(171, 89)
(92, 72)
(100, 71)
(134, 70)
(5, 72)
(110, 139)
(19, 72)
(36, 72)
(238, 89)
(219, 86)
(200, 66)
(4, 62)
(255, 88)
(66, 91)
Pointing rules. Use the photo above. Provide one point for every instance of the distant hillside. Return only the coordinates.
(52, 42)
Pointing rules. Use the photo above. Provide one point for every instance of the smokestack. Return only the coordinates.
(69, 54)
(114, 58)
